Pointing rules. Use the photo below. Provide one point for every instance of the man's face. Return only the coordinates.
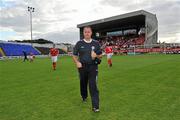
(87, 33)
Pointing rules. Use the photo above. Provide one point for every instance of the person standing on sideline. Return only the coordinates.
(25, 56)
(87, 55)
(54, 56)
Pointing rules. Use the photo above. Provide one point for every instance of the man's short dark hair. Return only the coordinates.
(87, 27)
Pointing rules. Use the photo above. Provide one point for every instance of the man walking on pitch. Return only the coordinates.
(87, 55)
(54, 56)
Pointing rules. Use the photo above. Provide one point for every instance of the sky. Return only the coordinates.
(57, 20)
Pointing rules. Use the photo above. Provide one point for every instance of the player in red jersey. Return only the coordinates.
(109, 53)
(31, 57)
(54, 54)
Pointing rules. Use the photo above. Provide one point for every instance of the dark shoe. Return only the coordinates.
(84, 99)
(110, 65)
(95, 110)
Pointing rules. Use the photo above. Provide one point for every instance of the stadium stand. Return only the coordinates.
(45, 50)
(11, 49)
(121, 42)
(126, 30)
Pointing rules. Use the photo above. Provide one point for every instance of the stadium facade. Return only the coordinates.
(136, 22)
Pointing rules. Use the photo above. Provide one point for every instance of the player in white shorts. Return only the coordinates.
(109, 53)
(31, 57)
(54, 54)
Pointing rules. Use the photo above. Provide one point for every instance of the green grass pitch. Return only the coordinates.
(144, 87)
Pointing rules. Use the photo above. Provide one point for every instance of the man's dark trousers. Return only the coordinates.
(88, 74)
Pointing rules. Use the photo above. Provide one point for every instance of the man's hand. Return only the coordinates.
(93, 55)
(78, 65)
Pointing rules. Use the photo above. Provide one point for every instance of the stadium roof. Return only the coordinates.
(132, 20)
(128, 19)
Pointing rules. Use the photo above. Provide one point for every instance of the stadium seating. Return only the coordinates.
(140, 40)
(45, 51)
(121, 42)
(11, 49)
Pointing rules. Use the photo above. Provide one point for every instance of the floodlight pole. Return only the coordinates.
(31, 10)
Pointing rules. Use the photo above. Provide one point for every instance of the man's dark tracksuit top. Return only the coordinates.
(83, 50)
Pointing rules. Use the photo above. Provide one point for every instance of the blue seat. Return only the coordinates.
(11, 49)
